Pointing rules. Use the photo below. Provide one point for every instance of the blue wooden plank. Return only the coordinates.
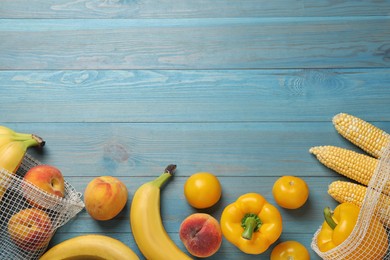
(194, 95)
(194, 43)
(189, 9)
(226, 149)
(239, 88)
(147, 9)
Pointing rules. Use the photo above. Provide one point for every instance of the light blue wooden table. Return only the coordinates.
(241, 89)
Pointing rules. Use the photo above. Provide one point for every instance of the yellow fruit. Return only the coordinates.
(90, 247)
(105, 197)
(146, 224)
(202, 190)
(290, 192)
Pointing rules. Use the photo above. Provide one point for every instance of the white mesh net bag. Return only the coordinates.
(369, 238)
(29, 216)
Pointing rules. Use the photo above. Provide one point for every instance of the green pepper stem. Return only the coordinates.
(328, 218)
(251, 223)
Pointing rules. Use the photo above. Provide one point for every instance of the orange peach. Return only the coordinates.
(105, 197)
(30, 229)
(47, 178)
(201, 234)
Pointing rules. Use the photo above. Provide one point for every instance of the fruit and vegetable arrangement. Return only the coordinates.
(250, 222)
(35, 200)
(356, 228)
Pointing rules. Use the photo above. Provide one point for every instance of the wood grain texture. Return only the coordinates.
(241, 89)
(189, 9)
(245, 43)
(226, 149)
(194, 96)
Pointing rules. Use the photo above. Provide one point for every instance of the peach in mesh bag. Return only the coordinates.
(26, 228)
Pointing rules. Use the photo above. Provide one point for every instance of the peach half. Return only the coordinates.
(30, 229)
(105, 197)
(201, 234)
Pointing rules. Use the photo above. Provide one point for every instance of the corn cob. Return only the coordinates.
(356, 166)
(344, 191)
(362, 134)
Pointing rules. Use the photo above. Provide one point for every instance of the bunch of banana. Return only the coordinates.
(90, 247)
(146, 223)
(13, 147)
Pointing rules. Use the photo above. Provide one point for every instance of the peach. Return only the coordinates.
(201, 234)
(47, 178)
(105, 197)
(30, 229)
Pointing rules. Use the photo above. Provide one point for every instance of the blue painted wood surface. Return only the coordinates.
(241, 89)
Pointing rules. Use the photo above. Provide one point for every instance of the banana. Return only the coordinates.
(6, 131)
(91, 247)
(12, 153)
(6, 139)
(146, 224)
(8, 135)
(13, 147)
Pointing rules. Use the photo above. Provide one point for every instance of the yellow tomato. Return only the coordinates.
(290, 250)
(290, 192)
(202, 190)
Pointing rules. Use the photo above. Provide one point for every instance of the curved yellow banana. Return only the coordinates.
(6, 130)
(90, 247)
(11, 156)
(18, 136)
(7, 135)
(6, 139)
(146, 223)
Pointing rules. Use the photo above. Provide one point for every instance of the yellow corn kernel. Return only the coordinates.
(362, 134)
(344, 191)
(356, 166)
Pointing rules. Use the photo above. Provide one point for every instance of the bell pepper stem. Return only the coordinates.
(251, 223)
(328, 218)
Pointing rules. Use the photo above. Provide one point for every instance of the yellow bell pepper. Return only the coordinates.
(251, 223)
(338, 225)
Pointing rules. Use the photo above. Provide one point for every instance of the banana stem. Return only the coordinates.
(25, 137)
(39, 140)
(31, 142)
(170, 169)
(163, 178)
(22, 136)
